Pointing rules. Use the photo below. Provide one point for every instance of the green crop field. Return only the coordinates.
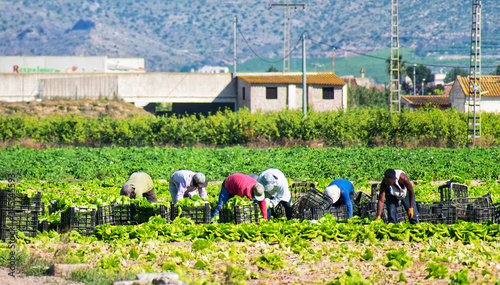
(326, 251)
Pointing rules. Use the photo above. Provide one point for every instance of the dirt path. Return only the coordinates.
(21, 279)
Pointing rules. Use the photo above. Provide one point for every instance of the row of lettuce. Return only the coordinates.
(297, 163)
(356, 127)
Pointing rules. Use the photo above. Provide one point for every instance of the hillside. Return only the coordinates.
(180, 35)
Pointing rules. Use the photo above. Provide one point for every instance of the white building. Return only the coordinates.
(69, 64)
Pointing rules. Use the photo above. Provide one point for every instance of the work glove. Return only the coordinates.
(268, 203)
(410, 213)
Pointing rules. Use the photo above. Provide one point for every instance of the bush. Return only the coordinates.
(360, 127)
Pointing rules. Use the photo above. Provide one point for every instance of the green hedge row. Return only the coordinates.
(357, 127)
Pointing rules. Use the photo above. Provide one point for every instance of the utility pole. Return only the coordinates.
(286, 44)
(395, 96)
(304, 85)
(423, 85)
(235, 22)
(414, 83)
(473, 98)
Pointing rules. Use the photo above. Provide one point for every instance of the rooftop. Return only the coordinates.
(489, 83)
(427, 99)
(280, 78)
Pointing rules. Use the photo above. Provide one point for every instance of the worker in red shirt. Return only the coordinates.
(242, 185)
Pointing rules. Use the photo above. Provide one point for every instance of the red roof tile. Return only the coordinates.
(426, 99)
(489, 84)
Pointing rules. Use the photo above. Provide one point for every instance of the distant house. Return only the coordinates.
(413, 102)
(490, 90)
(359, 81)
(278, 91)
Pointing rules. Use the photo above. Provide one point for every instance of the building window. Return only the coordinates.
(271, 93)
(328, 93)
(243, 93)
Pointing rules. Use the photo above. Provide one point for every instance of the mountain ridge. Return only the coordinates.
(179, 35)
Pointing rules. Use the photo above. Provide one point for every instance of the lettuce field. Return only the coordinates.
(278, 251)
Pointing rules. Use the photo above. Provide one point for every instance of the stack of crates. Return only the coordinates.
(240, 214)
(307, 198)
(339, 213)
(311, 204)
(199, 215)
(479, 209)
(18, 212)
(442, 213)
(453, 190)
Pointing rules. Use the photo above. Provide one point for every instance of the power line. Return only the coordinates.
(265, 60)
(346, 50)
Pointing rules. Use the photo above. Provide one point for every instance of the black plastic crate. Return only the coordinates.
(365, 210)
(299, 189)
(312, 199)
(497, 213)
(199, 215)
(43, 226)
(240, 214)
(339, 213)
(82, 220)
(132, 214)
(12, 221)
(484, 215)
(484, 201)
(20, 202)
(141, 214)
(123, 214)
(452, 190)
(279, 211)
(105, 215)
(361, 198)
(439, 213)
(164, 212)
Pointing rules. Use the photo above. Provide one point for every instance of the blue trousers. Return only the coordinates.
(391, 203)
(224, 196)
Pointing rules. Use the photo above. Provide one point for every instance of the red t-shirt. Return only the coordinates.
(240, 184)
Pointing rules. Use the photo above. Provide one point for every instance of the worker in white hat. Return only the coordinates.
(341, 191)
(184, 183)
(276, 190)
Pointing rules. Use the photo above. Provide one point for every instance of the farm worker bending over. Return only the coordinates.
(276, 190)
(342, 193)
(242, 185)
(139, 185)
(184, 183)
(396, 186)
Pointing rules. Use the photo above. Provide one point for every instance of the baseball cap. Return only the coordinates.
(199, 178)
(258, 191)
(268, 180)
(333, 192)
